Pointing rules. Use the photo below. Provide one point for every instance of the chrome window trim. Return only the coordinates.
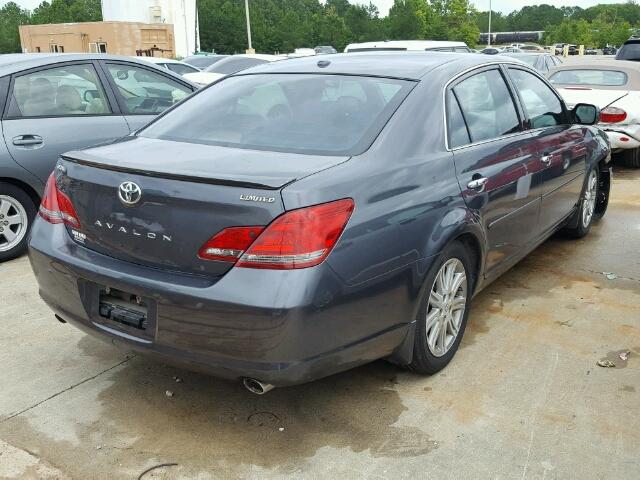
(507, 64)
(462, 74)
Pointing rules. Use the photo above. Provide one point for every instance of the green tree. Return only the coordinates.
(407, 19)
(11, 15)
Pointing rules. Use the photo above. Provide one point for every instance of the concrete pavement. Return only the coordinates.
(522, 399)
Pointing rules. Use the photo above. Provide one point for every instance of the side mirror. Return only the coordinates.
(586, 114)
(90, 95)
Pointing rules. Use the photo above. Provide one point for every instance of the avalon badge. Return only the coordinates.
(129, 193)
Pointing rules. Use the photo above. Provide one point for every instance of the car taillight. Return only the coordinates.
(297, 239)
(612, 115)
(300, 238)
(56, 207)
(229, 244)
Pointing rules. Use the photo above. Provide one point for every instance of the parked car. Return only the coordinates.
(307, 216)
(614, 86)
(630, 50)
(175, 66)
(591, 51)
(532, 49)
(228, 66)
(542, 62)
(203, 61)
(511, 50)
(491, 51)
(409, 45)
(325, 50)
(609, 50)
(55, 102)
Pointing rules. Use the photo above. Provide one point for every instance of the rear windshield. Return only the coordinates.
(629, 51)
(604, 78)
(315, 114)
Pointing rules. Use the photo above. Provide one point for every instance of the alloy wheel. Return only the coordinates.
(13, 223)
(447, 303)
(589, 200)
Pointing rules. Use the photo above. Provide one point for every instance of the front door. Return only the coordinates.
(560, 148)
(56, 109)
(496, 163)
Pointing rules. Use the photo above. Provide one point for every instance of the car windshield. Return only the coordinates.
(528, 59)
(315, 114)
(231, 65)
(603, 78)
(204, 61)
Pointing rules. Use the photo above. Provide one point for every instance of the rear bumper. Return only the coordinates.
(280, 327)
(623, 137)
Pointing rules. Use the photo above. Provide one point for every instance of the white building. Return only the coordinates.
(181, 13)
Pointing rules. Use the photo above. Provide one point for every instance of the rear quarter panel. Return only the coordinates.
(408, 206)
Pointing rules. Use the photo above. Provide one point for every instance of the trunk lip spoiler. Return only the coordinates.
(175, 176)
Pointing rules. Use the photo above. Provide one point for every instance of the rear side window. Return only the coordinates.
(487, 106)
(543, 107)
(60, 91)
(456, 128)
(143, 91)
(316, 114)
(603, 78)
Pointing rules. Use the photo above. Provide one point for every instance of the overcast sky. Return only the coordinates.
(505, 6)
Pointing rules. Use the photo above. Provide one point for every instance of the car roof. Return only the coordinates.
(17, 62)
(599, 64)
(408, 65)
(631, 69)
(415, 45)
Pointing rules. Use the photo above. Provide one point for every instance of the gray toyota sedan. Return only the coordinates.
(54, 102)
(301, 218)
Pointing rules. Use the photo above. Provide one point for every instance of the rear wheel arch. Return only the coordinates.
(25, 187)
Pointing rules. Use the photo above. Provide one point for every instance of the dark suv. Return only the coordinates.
(630, 50)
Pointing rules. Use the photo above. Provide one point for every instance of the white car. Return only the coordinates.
(229, 66)
(175, 66)
(612, 85)
(409, 45)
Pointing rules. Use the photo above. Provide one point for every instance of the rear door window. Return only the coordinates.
(602, 78)
(145, 92)
(543, 107)
(302, 113)
(487, 106)
(57, 92)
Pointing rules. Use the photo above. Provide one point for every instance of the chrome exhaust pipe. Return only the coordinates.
(256, 386)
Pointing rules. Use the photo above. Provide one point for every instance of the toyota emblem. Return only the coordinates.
(129, 193)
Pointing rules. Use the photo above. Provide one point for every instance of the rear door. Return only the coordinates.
(55, 109)
(560, 147)
(495, 162)
(141, 92)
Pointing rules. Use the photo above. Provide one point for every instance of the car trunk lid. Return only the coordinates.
(188, 193)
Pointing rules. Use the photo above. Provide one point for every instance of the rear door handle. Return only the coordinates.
(546, 160)
(27, 140)
(477, 183)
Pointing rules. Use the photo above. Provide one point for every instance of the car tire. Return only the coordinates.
(17, 211)
(632, 158)
(433, 350)
(586, 209)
